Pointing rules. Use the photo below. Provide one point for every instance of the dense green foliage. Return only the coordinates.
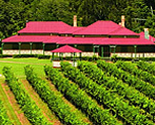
(39, 56)
(117, 86)
(55, 103)
(145, 66)
(4, 120)
(128, 78)
(15, 13)
(131, 114)
(80, 99)
(28, 106)
(4, 55)
(115, 58)
(132, 68)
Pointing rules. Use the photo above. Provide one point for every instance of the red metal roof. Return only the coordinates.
(45, 27)
(81, 40)
(105, 28)
(142, 35)
(72, 30)
(66, 49)
(125, 41)
(25, 38)
(106, 41)
(123, 31)
(99, 28)
(56, 39)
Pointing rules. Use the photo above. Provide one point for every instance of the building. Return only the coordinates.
(103, 38)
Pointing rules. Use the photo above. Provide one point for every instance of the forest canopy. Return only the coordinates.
(15, 13)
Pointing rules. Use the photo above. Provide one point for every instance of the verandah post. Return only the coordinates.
(75, 45)
(53, 56)
(57, 46)
(74, 60)
(110, 50)
(114, 49)
(43, 48)
(2, 45)
(98, 49)
(19, 47)
(102, 51)
(135, 49)
(59, 56)
(31, 48)
(80, 56)
(62, 56)
(94, 49)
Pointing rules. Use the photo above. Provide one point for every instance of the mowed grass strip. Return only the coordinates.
(26, 60)
(13, 110)
(19, 64)
(42, 105)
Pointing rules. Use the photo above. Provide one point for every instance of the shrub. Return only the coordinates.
(43, 56)
(24, 55)
(5, 55)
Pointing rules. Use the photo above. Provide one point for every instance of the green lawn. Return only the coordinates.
(19, 64)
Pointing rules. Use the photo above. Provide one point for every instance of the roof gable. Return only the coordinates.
(99, 28)
(45, 27)
(72, 30)
(66, 49)
(123, 31)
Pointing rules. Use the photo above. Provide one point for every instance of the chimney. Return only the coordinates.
(146, 33)
(75, 21)
(123, 21)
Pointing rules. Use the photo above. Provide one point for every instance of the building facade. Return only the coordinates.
(103, 38)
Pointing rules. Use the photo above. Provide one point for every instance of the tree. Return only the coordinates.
(8, 19)
(135, 11)
(150, 23)
(53, 10)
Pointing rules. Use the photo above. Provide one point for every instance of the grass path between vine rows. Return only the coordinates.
(14, 112)
(43, 106)
(73, 108)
